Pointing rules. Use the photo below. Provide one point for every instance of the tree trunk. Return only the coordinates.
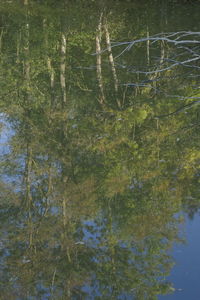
(148, 46)
(49, 64)
(63, 68)
(112, 63)
(26, 52)
(98, 61)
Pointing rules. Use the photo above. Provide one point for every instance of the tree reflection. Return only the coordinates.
(95, 173)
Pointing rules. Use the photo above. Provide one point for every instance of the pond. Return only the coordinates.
(100, 149)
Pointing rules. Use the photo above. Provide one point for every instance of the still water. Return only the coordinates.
(100, 150)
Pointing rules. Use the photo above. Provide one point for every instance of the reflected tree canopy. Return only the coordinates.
(100, 105)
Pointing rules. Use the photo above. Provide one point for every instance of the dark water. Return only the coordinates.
(100, 150)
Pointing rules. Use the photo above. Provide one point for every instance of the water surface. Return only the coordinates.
(99, 181)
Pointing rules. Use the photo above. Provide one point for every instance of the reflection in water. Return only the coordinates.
(101, 159)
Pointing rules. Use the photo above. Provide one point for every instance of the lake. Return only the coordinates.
(99, 149)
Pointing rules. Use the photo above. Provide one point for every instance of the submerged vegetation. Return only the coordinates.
(101, 103)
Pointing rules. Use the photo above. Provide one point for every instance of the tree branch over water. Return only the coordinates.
(174, 52)
(180, 40)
